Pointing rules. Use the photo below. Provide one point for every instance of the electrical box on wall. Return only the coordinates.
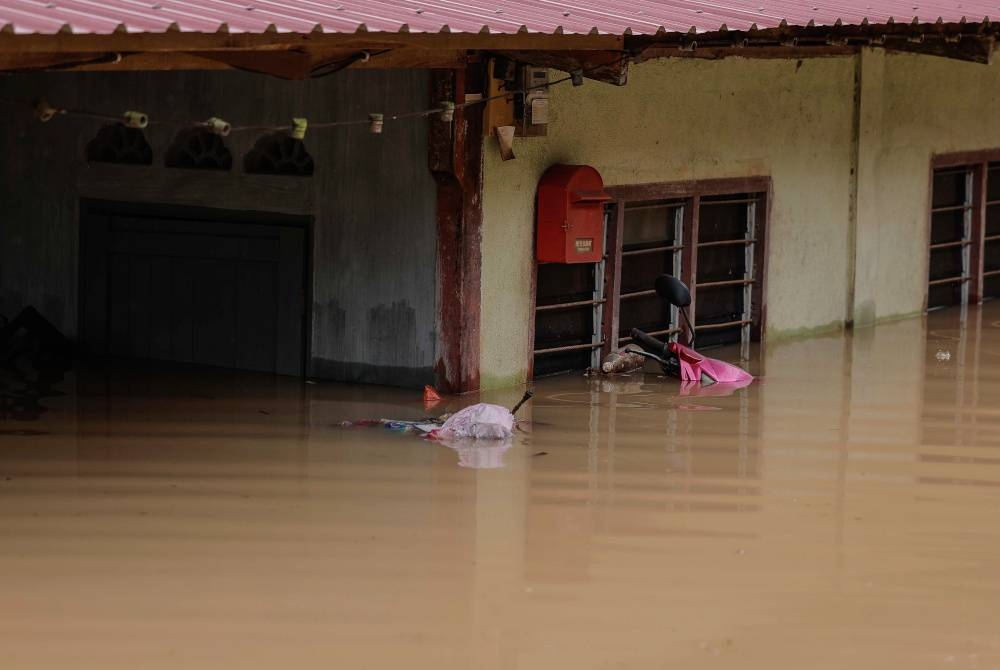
(517, 96)
(534, 111)
(570, 206)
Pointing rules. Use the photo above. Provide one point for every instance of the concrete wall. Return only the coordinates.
(912, 107)
(850, 168)
(373, 199)
(689, 119)
(847, 142)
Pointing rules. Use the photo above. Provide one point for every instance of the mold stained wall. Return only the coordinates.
(912, 107)
(689, 119)
(374, 238)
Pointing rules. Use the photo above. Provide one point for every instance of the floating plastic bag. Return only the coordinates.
(481, 421)
(477, 422)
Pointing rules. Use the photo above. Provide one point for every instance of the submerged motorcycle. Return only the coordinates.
(679, 360)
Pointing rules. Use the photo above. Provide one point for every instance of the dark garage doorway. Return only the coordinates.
(194, 285)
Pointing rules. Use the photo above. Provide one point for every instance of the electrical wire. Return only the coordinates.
(82, 113)
(326, 69)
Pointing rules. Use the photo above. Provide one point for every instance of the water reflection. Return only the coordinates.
(716, 390)
(842, 513)
(22, 397)
(478, 454)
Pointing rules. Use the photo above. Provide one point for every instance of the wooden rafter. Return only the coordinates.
(298, 56)
(968, 42)
(193, 42)
(608, 66)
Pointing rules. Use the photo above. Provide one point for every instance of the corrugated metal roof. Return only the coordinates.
(468, 16)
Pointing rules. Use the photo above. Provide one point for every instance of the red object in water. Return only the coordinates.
(430, 395)
(571, 215)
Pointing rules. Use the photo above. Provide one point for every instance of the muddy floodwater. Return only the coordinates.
(844, 512)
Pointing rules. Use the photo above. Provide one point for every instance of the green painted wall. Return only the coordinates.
(688, 119)
(912, 107)
(843, 248)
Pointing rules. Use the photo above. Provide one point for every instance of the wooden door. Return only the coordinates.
(195, 291)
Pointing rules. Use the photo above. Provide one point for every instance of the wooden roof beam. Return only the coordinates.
(959, 42)
(197, 42)
(286, 64)
(610, 67)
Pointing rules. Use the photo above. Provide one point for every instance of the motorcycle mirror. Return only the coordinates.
(673, 290)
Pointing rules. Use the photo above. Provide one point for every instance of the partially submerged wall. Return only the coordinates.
(912, 107)
(832, 258)
(688, 119)
(373, 199)
(823, 130)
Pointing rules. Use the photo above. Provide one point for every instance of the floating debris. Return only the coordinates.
(622, 362)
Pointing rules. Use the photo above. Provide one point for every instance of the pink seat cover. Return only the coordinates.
(694, 364)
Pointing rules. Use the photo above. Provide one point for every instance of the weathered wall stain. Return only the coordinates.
(330, 319)
(365, 373)
(393, 341)
(394, 333)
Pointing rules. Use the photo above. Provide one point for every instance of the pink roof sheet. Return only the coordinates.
(613, 17)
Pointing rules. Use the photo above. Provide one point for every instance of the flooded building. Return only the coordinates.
(215, 199)
(320, 189)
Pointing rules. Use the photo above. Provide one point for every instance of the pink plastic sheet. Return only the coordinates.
(694, 364)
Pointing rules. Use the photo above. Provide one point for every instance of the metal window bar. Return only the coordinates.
(675, 314)
(637, 294)
(568, 305)
(967, 209)
(675, 249)
(967, 250)
(951, 280)
(951, 208)
(744, 323)
(651, 250)
(748, 256)
(726, 282)
(598, 300)
(949, 245)
(570, 347)
(726, 243)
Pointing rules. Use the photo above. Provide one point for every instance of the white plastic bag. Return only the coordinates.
(481, 421)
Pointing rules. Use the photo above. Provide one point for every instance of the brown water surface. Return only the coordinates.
(842, 513)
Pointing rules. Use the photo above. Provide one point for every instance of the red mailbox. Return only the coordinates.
(571, 215)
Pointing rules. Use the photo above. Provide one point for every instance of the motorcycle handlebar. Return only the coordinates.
(649, 343)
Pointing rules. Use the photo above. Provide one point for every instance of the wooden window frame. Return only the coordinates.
(691, 192)
(617, 230)
(978, 162)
